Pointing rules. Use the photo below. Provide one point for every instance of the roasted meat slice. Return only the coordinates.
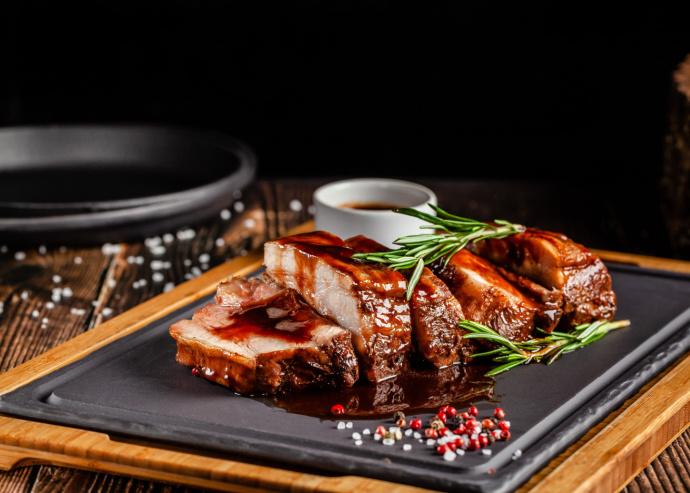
(435, 315)
(264, 340)
(367, 299)
(555, 261)
(489, 298)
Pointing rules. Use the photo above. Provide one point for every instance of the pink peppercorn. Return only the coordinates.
(416, 424)
(451, 411)
(338, 409)
(504, 425)
(442, 417)
(473, 444)
(431, 433)
(483, 440)
(443, 432)
(488, 424)
(473, 411)
(505, 435)
(499, 413)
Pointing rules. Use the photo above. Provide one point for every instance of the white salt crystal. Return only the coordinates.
(486, 451)
(417, 435)
(168, 238)
(158, 250)
(168, 286)
(249, 223)
(67, 292)
(204, 258)
(349, 424)
(19, 255)
(449, 456)
(239, 206)
(42, 250)
(78, 260)
(341, 425)
(111, 283)
(45, 320)
(358, 442)
(408, 432)
(35, 314)
(225, 214)
(24, 295)
(388, 441)
(356, 436)
(366, 431)
(407, 447)
(107, 311)
(50, 305)
(517, 454)
(295, 205)
(431, 442)
(220, 242)
(157, 277)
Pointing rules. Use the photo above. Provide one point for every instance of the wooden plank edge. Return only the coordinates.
(96, 452)
(625, 446)
(649, 262)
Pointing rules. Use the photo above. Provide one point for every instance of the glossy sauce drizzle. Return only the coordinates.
(415, 391)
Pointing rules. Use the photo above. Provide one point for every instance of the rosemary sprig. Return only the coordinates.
(547, 349)
(453, 233)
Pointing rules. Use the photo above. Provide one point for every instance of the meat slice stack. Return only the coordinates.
(510, 305)
(368, 299)
(260, 339)
(435, 315)
(556, 262)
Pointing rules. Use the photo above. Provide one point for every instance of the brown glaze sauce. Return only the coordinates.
(295, 324)
(415, 391)
(369, 206)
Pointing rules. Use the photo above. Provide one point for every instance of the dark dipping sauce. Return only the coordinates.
(369, 206)
(416, 391)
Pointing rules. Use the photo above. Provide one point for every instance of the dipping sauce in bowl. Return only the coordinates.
(370, 206)
(363, 206)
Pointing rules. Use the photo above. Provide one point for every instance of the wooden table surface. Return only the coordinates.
(96, 283)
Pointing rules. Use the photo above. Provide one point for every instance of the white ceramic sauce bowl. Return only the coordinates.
(383, 225)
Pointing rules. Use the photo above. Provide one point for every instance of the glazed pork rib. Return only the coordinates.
(260, 339)
(435, 315)
(555, 261)
(367, 299)
(510, 305)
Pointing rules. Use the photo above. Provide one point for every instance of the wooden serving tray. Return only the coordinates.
(605, 459)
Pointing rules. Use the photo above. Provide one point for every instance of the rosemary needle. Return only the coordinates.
(453, 233)
(548, 349)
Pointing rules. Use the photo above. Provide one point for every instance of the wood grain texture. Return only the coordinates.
(105, 284)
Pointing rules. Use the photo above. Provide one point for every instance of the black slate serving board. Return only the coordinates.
(133, 387)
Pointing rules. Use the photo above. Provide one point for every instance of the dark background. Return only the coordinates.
(457, 89)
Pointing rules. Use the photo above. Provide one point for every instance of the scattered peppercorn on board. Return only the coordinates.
(163, 423)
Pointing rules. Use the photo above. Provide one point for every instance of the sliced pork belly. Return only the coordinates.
(367, 299)
(555, 261)
(265, 340)
(489, 298)
(435, 315)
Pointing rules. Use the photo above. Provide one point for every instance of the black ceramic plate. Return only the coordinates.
(133, 387)
(113, 183)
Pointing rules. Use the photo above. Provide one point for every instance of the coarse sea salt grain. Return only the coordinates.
(35, 313)
(220, 242)
(225, 214)
(157, 277)
(19, 255)
(486, 451)
(408, 432)
(366, 431)
(158, 250)
(107, 311)
(356, 436)
(249, 223)
(67, 292)
(45, 320)
(517, 454)
(168, 238)
(187, 262)
(169, 286)
(295, 205)
(239, 206)
(431, 442)
(417, 435)
(388, 441)
(24, 295)
(50, 305)
(459, 451)
(95, 303)
(57, 279)
(341, 425)
(449, 456)
(407, 447)
(377, 436)
(358, 442)
(349, 424)
(78, 260)
(204, 258)
(42, 250)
